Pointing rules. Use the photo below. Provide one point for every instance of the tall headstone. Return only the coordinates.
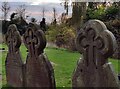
(14, 64)
(96, 44)
(39, 71)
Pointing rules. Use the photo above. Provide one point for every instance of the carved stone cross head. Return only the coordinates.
(95, 42)
(13, 39)
(34, 40)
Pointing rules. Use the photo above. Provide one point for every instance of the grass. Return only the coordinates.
(64, 64)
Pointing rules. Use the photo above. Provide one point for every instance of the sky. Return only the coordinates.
(56, 1)
(39, 1)
(34, 8)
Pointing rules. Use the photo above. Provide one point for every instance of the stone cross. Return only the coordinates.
(13, 63)
(96, 44)
(39, 71)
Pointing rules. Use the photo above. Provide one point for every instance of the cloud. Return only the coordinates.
(38, 2)
(36, 10)
(33, 2)
(40, 14)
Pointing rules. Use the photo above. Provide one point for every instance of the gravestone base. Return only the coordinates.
(39, 73)
(97, 77)
(14, 71)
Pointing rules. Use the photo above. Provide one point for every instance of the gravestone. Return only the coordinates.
(96, 44)
(115, 30)
(13, 63)
(39, 71)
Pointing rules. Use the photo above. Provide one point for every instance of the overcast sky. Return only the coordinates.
(34, 1)
(34, 8)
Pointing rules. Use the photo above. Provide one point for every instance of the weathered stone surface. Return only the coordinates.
(115, 30)
(14, 72)
(96, 44)
(39, 71)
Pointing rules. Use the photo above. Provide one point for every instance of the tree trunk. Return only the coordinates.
(79, 14)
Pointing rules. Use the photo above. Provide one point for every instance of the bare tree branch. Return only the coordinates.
(21, 10)
(5, 9)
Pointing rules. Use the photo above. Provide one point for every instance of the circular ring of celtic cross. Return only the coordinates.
(95, 42)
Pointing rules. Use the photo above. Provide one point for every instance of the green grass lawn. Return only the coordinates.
(64, 64)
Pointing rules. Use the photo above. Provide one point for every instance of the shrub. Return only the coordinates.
(103, 13)
(99, 13)
(62, 35)
(112, 11)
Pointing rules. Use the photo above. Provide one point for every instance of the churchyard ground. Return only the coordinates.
(63, 61)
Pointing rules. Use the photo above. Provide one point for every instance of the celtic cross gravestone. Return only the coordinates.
(96, 44)
(93, 41)
(14, 64)
(39, 71)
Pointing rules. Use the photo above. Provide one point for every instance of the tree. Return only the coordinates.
(5, 9)
(96, 10)
(66, 6)
(93, 5)
(21, 10)
(54, 13)
(78, 13)
(43, 11)
(54, 16)
(65, 3)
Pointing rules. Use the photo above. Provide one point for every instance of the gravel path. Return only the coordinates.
(50, 44)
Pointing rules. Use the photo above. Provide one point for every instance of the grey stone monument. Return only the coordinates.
(39, 71)
(13, 63)
(96, 44)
